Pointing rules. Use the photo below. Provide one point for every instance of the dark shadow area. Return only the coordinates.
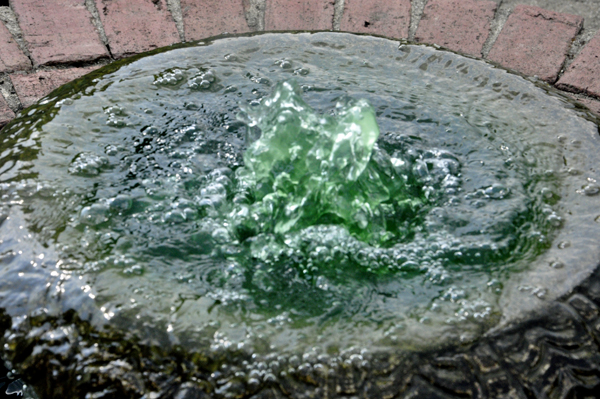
(3, 3)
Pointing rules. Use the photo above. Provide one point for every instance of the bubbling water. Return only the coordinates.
(344, 207)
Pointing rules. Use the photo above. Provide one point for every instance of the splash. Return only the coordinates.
(309, 169)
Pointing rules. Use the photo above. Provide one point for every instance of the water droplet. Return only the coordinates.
(591, 189)
(557, 264)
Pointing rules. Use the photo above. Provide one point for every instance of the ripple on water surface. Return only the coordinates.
(155, 190)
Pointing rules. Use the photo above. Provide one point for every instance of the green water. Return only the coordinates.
(287, 191)
(308, 169)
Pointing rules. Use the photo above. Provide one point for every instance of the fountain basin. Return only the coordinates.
(125, 236)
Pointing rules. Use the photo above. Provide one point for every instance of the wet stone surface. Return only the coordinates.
(147, 249)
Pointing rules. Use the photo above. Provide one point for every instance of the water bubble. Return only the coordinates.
(136, 270)
(283, 64)
(547, 194)
(169, 78)
(301, 71)
(111, 150)
(150, 130)
(121, 203)
(221, 235)
(174, 216)
(591, 189)
(497, 191)
(554, 220)
(115, 110)
(66, 101)
(87, 164)
(113, 121)
(556, 264)
(94, 215)
(202, 81)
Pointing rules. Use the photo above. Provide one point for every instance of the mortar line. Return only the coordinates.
(7, 14)
(93, 10)
(174, 7)
(570, 52)
(254, 13)
(501, 15)
(582, 38)
(417, 7)
(338, 13)
(10, 93)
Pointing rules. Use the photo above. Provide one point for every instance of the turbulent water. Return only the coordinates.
(298, 190)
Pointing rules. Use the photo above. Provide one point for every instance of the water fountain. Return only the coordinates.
(272, 212)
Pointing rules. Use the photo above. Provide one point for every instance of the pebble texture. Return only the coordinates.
(459, 25)
(32, 87)
(136, 26)
(6, 114)
(60, 33)
(583, 75)
(11, 56)
(299, 15)
(535, 41)
(202, 19)
(377, 17)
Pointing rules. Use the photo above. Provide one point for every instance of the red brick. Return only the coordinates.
(58, 31)
(459, 25)
(6, 114)
(11, 56)
(299, 15)
(535, 41)
(32, 87)
(135, 26)
(202, 19)
(379, 17)
(583, 75)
